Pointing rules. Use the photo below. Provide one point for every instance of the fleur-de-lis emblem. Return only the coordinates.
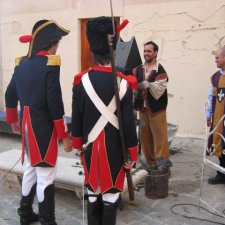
(220, 94)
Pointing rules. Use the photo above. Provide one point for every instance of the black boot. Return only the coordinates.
(25, 211)
(218, 179)
(109, 213)
(94, 211)
(47, 207)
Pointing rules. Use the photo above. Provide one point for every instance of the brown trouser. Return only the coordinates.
(154, 137)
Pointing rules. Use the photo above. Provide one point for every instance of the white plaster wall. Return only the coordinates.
(1, 75)
(22, 24)
(18, 18)
(187, 31)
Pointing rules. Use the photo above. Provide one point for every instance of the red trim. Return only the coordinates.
(77, 142)
(106, 181)
(52, 152)
(77, 78)
(133, 153)
(11, 115)
(23, 151)
(60, 129)
(93, 172)
(161, 76)
(132, 80)
(120, 179)
(102, 68)
(35, 156)
(100, 170)
(85, 169)
(42, 53)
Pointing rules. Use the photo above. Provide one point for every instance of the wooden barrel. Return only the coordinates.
(156, 184)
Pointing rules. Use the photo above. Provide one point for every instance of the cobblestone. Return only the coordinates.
(184, 187)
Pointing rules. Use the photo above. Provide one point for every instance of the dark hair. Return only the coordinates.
(102, 59)
(51, 43)
(155, 46)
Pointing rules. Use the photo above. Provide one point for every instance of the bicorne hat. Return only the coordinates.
(44, 33)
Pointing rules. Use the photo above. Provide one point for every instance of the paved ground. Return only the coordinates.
(179, 208)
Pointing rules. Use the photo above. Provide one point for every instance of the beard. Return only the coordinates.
(149, 59)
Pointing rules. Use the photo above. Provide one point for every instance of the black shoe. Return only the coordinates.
(218, 179)
(33, 217)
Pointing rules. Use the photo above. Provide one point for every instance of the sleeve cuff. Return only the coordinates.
(77, 143)
(133, 154)
(61, 129)
(11, 115)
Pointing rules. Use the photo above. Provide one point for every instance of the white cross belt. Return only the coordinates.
(106, 111)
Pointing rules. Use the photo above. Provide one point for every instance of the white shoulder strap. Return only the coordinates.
(106, 111)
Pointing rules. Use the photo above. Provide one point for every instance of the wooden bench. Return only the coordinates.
(69, 174)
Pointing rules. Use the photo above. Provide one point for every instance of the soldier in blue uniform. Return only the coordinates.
(35, 85)
(95, 129)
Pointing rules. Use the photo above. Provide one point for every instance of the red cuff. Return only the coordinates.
(11, 115)
(60, 129)
(133, 154)
(77, 142)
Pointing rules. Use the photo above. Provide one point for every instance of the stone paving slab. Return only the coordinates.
(182, 200)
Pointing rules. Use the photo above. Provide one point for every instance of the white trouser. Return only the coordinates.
(108, 197)
(43, 176)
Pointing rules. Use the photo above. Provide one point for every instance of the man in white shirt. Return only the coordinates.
(151, 102)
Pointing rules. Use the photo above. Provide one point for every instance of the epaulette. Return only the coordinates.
(18, 60)
(131, 80)
(77, 77)
(53, 60)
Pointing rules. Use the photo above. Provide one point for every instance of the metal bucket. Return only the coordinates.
(156, 184)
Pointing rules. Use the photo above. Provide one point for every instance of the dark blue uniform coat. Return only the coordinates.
(35, 84)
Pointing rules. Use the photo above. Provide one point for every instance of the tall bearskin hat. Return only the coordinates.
(97, 31)
(44, 33)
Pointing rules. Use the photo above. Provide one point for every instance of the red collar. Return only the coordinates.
(42, 53)
(132, 80)
(101, 68)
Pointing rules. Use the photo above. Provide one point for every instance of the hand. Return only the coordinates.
(144, 85)
(208, 121)
(16, 127)
(129, 166)
(67, 144)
